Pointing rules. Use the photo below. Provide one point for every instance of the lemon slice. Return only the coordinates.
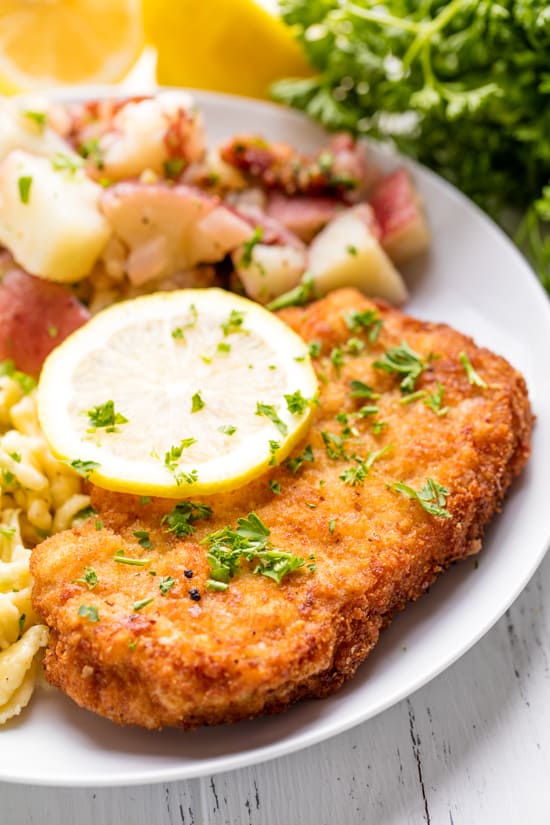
(177, 393)
(227, 45)
(49, 42)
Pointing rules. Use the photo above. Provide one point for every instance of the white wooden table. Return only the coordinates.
(470, 748)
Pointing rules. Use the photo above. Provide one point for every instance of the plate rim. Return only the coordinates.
(275, 750)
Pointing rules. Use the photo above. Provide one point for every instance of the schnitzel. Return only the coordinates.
(417, 436)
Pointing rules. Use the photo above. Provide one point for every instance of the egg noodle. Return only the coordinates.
(38, 496)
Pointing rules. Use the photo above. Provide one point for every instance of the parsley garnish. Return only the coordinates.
(144, 539)
(224, 347)
(211, 584)
(362, 390)
(351, 250)
(248, 247)
(26, 382)
(432, 496)
(84, 514)
(234, 323)
(39, 118)
(7, 532)
(178, 334)
(368, 321)
(270, 412)
(297, 297)
(120, 558)
(61, 162)
(181, 519)
(358, 474)
(404, 361)
(275, 487)
(173, 167)
(473, 377)
(331, 526)
(273, 449)
(89, 578)
(89, 612)
(337, 359)
(173, 455)
(166, 583)
(314, 348)
(435, 399)
(143, 603)
(295, 463)
(92, 150)
(296, 403)
(334, 445)
(354, 346)
(250, 541)
(196, 402)
(24, 183)
(227, 429)
(84, 468)
(104, 415)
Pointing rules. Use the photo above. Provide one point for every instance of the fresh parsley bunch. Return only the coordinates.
(463, 86)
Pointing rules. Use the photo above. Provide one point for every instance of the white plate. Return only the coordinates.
(473, 279)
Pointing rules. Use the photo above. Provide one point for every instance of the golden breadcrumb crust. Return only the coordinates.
(259, 646)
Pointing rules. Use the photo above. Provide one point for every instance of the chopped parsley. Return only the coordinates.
(182, 518)
(368, 321)
(248, 247)
(296, 403)
(337, 359)
(351, 250)
(39, 118)
(354, 346)
(120, 558)
(212, 584)
(298, 297)
(7, 532)
(53, 331)
(166, 583)
(357, 475)
(105, 416)
(173, 167)
(143, 603)
(84, 468)
(473, 376)
(224, 347)
(314, 348)
(98, 525)
(173, 455)
(234, 323)
(89, 612)
(144, 539)
(434, 400)
(295, 463)
(26, 382)
(66, 163)
(84, 514)
(145, 500)
(250, 541)
(273, 449)
(227, 429)
(361, 390)
(432, 496)
(331, 526)
(24, 183)
(91, 150)
(89, 578)
(178, 334)
(275, 487)
(403, 361)
(21, 624)
(196, 402)
(15, 457)
(334, 445)
(269, 411)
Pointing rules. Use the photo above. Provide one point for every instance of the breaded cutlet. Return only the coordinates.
(392, 488)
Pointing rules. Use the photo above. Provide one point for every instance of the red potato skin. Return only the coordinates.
(35, 317)
(396, 204)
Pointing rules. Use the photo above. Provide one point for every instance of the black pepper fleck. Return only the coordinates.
(188, 574)
(194, 594)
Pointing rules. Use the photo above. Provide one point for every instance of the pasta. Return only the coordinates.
(39, 495)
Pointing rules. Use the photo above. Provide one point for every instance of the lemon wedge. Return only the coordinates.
(235, 46)
(50, 42)
(177, 393)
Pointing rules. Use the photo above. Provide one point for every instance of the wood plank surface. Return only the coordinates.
(470, 748)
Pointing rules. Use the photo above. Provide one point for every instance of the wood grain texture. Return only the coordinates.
(470, 748)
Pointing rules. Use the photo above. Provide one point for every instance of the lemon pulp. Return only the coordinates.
(200, 377)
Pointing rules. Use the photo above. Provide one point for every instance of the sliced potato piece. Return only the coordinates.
(347, 253)
(49, 218)
(26, 128)
(269, 270)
